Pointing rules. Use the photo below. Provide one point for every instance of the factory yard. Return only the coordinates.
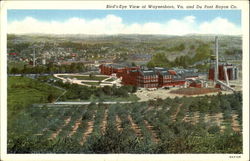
(144, 94)
(195, 91)
(87, 80)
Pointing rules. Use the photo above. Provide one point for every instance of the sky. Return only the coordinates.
(166, 22)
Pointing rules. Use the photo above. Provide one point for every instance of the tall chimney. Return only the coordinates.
(216, 71)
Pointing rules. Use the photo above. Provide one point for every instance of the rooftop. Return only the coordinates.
(165, 72)
(189, 74)
(116, 65)
(148, 72)
(120, 65)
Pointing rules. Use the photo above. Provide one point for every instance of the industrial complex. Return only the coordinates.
(162, 77)
(150, 78)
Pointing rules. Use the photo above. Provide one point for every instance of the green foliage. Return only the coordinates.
(213, 129)
(51, 98)
(223, 103)
(23, 92)
(159, 60)
(234, 51)
(48, 68)
(177, 48)
(202, 52)
(183, 61)
(93, 93)
(18, 47)
(175, 135)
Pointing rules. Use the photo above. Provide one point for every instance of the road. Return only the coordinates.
(87, 103)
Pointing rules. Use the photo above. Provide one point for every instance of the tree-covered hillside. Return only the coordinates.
(210, 124)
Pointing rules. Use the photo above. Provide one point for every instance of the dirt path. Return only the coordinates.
(135, 127)
(118, 123)
(176, 113)
(216, 119)
(195, 119)
(104, 122)
(150, 128)
(90, 125)
(235, 123)
(66, 122)
(207, 118)
(74, 129)
(186, 118)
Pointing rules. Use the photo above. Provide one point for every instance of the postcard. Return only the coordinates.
(124, 80)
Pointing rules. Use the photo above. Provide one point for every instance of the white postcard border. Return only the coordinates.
(242, 5)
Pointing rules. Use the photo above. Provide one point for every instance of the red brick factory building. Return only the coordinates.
(232, 72)
(119, 70)
(149, 78)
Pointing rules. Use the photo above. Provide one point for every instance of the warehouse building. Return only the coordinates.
(118, 69)
(149, 78)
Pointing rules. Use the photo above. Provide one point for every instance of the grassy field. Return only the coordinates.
(18, 65)
(99, 78)
(180, 125)
(110, 80)
(92, 83)
(23, 92)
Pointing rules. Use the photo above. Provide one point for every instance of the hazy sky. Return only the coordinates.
(171, 22)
